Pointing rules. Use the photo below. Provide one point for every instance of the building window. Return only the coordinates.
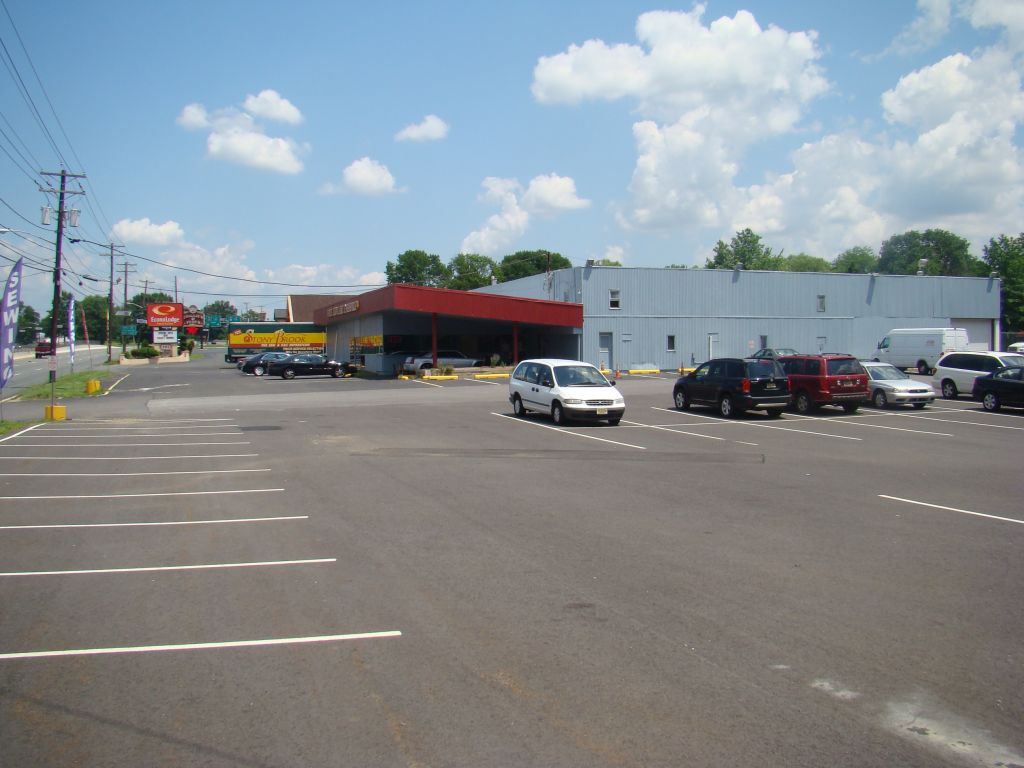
(821, 303)
(613, 299)
(671, 344)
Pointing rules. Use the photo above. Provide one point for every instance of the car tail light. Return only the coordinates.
(746, 386)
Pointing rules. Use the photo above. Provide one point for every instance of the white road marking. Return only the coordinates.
(843, 420)
(122, 445)
(203, 646)
(951, 509)
(147, 569)
(122, 437)
(128, 458)
(671, 429)
(82, 425)
(19, 433)
(427, 383)
(142, 495)
(965, 423)
(131, 474)
(567, 432)
(764, 426)
(484, 381)
(150, 389)
(165, 522)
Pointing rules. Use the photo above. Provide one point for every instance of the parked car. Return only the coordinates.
(309, 364)
(44, 349)
(734, 385)
(919, 348)
(257, 364)
(451, 357)
(826, 379)
(1017, 346)
(956, 372)
(892, 386)
(567, 389)
(1001, 387)
(767, 353)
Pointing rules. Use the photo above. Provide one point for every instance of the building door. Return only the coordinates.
(604, 352)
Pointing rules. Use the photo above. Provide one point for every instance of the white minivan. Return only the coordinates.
(567, 389)
(919, 348)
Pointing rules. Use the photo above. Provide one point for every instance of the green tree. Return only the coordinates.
(607, 263)
(526, 263)
(94, 308)
(857, 260)
(221, 307)
(418, 268)
(804, 262)
(471, 270)
(62, 317)
(744, 249)
(942, 252)
(1005, 255)
(28, 324)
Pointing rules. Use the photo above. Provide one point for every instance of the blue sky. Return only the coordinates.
(311, 142)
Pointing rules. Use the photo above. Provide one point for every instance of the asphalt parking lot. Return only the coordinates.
(203, 568)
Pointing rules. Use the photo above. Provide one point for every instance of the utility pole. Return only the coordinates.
(126, 265)
(110, 303)
(57, 265)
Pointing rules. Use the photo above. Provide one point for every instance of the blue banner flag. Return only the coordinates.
(9, 323)
(71, 331)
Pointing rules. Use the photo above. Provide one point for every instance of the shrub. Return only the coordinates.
(145, 352)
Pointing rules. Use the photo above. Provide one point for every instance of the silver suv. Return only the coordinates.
(956, 371)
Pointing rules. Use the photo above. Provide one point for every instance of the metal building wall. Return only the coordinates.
(739, 307)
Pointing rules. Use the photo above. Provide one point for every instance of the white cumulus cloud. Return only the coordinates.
(552, 193)
(928, 28)
(364, 176)
(145, 232)
(431, 128)
(270, 105)
(193, 117)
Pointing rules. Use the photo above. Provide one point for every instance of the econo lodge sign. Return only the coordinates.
(165, 315)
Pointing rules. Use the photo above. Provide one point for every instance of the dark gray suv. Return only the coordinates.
(734, 385)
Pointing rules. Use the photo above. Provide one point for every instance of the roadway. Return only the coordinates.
(203, 568)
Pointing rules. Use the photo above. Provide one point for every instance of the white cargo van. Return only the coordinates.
(920, 348)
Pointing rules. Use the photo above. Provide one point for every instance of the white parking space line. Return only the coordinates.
(128, 458)
(203, 646)
(42, 433)
(148, 569)
(566, 431)
(845, 420)
(957, 421)
(122, 445)
(485, 381)
(131, 474)
(952, 509)
(762, 426)
(80, 427)
(164, 522)
(672, 429)
(427, 383)
(19, 433)
(141, 495)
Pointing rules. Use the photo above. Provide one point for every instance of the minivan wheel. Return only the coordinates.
(879, 399)
(949, 390)
(803, 403)
(990, 402)
(923, 368)
(558, 413)
(682, 400)
(517, 406)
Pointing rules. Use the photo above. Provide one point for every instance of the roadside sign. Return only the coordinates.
(165, 335)
(193, 316)
(234, 318)
(128, 330)
(123, 313)
(165, 315)
(213, 321)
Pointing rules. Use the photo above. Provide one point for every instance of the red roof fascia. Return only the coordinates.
(445, 301)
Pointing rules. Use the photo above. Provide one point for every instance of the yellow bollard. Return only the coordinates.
(55, 412)
(92, 386)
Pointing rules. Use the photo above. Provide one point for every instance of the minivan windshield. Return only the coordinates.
(579, 376)
(886, 373)
(1015, 360)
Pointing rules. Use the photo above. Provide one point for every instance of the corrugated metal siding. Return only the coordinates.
(740, 307)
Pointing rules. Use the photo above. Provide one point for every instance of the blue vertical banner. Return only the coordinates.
(71, 331)
(9, 323)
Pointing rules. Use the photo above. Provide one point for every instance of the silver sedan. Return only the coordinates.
(890, 386)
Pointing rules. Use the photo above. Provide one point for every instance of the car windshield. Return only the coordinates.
(886, 373)
(765, 369)
(843, 366)
(1016, 361)
(579, 376)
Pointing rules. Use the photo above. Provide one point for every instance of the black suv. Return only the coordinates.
(734, 385)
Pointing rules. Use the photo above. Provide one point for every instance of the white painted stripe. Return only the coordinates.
(952, 509)
(203, 646)
(428, 383)
(744, 442)
(842, 420)
(762, 426)
(671, 429)
(130, 474)
(122, 437)
(147, 569)
(965, 423)
(143, 495)
(120, 445)
(80, 427)
(19, 433)
(164, 522)
(123, 458)
(567, 432)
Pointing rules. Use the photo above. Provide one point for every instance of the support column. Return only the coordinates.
(433, 337)
(515, 343)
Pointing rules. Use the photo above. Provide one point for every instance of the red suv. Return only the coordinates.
(826, 379)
